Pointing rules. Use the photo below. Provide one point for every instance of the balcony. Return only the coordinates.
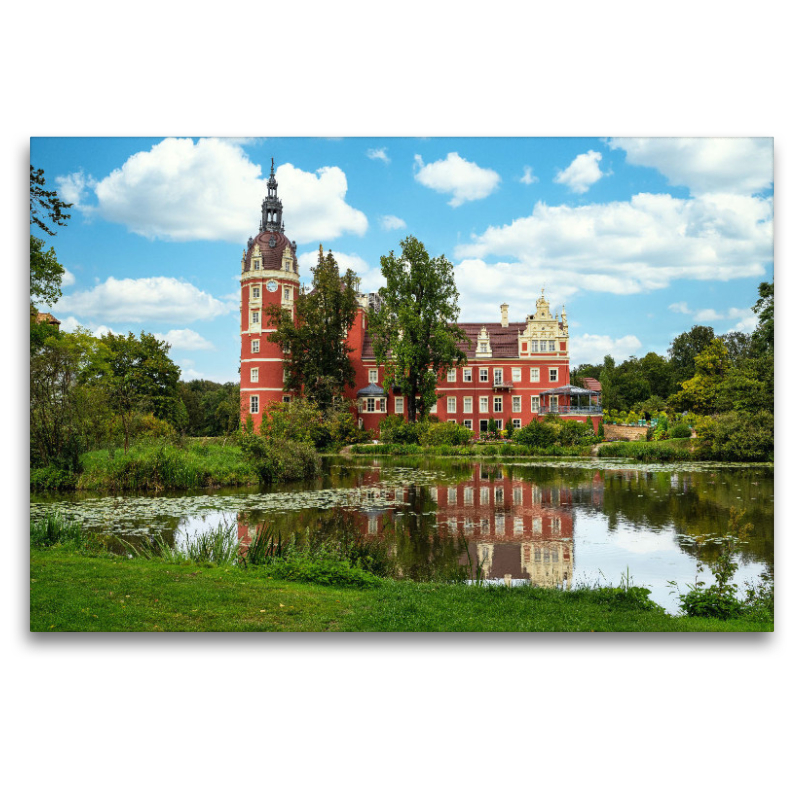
(503, 385)
(573, 410)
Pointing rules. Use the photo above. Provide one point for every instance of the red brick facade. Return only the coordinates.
(511, 366)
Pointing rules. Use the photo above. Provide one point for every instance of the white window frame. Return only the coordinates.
(254, 404)
(373, 376)
(467, 405)
(254, 375)
(287, 398)
(483, 374)
(398, 405)
(498, 376)
(370, 409)
(483, 405)
(554, 402)
(498, 405)
(516, 374)
(451, 376)
(553, 377)
(257, 264)
(255, 345)
(255, 317)
(466, 374)
(516, 424)
(516, 404)
(534, 374)
(551, 345)
(483, 425)
(451, 405)
(287, 293)
(255, 292)
(535, 404)
(468, 424)
(435, 407)
(535, 346)
(483, 347)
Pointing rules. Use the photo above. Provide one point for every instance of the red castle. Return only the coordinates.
(516, 371)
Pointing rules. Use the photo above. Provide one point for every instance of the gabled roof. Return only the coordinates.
(503, 341)
(592, 383)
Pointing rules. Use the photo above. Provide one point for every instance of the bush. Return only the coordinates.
(571, 432)
(445, 433)
(276, 460)
(51, 478)
(395, 430)
(536, 434)
(738, 437)
(680, 431)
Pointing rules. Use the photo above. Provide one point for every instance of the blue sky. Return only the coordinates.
(639, 238)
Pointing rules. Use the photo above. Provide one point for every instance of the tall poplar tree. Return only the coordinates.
(317, 355)
(414, 331)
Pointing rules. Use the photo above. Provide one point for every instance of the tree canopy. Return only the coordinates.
(414, 331)
(46, 203)
(317, 355)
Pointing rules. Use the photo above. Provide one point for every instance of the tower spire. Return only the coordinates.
(271, 207)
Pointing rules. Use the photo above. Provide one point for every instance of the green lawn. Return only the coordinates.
(75, 592)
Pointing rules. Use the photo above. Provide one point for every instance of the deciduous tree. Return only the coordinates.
(414, 331)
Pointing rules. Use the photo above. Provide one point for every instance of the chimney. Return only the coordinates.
(504, 315)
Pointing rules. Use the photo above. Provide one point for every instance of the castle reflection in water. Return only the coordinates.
(511, 528)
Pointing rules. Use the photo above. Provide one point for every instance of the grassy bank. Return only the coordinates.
(71, 591)
(649, 452)
(156, 465)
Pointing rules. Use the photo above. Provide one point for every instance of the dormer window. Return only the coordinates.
(257, 264)
(483, 347)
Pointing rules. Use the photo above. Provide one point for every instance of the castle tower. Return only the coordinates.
(269, 278)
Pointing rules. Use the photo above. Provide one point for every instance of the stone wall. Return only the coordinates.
(628, 432)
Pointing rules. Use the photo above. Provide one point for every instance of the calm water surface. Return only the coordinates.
(551, 524)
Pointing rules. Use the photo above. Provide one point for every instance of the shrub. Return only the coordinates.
(445, 433)
(536, 434)
(275, 459)
(738, 437)
(52, 478)
(395, 430)
(571, 432)
(680, 431)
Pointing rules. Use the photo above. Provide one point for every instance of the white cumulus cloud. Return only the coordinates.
(67, 279)
(582, 173)
(705, 165)
(143, 299)
(747, 320)
(185, 339)
(379, 154)
(181, 190)
(628, 247)
(454, 175)
(371, 278)
(528, 177)
(593, 348)
(314, 208)
(74, 188)
(389, 222)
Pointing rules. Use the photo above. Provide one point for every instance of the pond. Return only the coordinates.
(551, 523)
